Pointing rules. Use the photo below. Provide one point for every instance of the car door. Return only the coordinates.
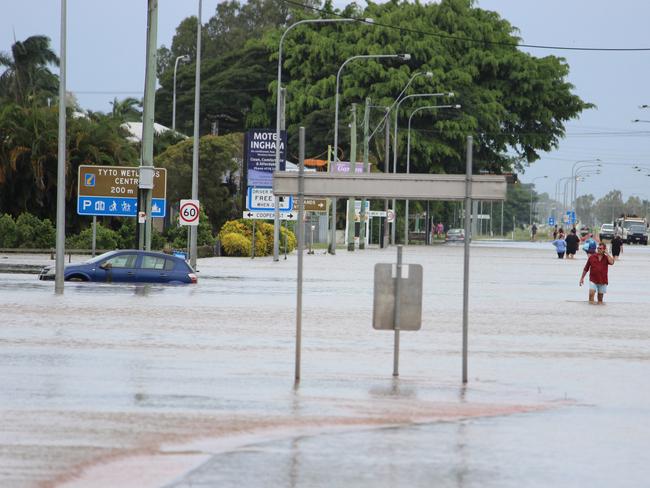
(155, 269)
(121, 268)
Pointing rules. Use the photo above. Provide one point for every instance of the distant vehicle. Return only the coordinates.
(606, 231)
(624, 223)
(455, 235)
(584, 231)
(637, 233)
(128, 266)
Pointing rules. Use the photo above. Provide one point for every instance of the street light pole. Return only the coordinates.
(532, 184)
(195, 147)
(574, 168)
(417, 95)
(60, 171)
(405, 57)
(408, 161)
(276, 220)
(185, 57)
(145, 179)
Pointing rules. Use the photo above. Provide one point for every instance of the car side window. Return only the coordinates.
(153, 262)
(169, 264)
(122, 261)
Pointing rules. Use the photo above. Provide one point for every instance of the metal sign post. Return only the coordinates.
(396, 311)
(301, 244)
(94, 244)
(466, 187)
(468, 236)
(397, 300)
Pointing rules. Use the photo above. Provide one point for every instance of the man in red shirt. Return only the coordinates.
(597, 266)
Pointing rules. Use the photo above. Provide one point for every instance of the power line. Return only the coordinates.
(449, 37)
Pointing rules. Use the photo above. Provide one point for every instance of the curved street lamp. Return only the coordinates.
(185, 58)
(532, 183)
(408, 159)
(403, 57)
(403, 99)
(276, 221)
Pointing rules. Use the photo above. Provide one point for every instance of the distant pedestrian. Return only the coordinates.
(617, 246)
(441, 230)
(572, 244)
(555, 232)
(597, 265)
(533, 232)
(560, 246)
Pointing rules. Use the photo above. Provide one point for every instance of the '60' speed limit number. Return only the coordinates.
(189, 212)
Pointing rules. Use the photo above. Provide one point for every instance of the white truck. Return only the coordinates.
(624, 224)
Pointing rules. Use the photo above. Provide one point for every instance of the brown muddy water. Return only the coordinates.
(179, 386)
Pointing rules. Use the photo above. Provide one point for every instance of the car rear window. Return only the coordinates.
(152, 262)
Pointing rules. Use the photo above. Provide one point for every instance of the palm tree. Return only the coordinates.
(26, 71)
(127, 110)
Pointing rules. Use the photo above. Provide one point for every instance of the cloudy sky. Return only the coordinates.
(106, 43)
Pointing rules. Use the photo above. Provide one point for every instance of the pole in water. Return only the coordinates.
(301, 244)
(468, 236)
(396, 311)
(94, 246)
(253, 242)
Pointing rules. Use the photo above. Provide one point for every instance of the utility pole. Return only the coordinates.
(195, 147)
(362, 213)
(353, 168)
(282, 92)
(386, 170)
(145, 180)
(60, 171)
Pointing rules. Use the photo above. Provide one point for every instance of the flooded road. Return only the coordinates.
(179, 386)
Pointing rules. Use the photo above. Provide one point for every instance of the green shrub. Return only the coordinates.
(34, 233)
(8, 236)
(235, 244)
(263, 238)
(291, 239)
(126, 235)
(106, 239)
(176, 235)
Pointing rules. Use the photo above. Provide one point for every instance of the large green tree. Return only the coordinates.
(29, 156)
(220, 157)
(513, 103)
(237, 67)
(26, 74)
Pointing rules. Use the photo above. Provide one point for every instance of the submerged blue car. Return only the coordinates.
(128, 266)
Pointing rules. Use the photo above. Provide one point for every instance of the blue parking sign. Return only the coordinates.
(551, 221)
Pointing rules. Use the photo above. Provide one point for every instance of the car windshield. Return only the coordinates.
(455, 231)
(637, 229)
(101, 257)
(608, 227)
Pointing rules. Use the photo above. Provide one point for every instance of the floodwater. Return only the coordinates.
(192, 386)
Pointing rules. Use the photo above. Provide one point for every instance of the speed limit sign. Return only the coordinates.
(189, 212)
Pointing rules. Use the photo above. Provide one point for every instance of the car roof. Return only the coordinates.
(148, 253)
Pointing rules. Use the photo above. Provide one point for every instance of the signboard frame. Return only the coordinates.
(259, 155)
(99, 196)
